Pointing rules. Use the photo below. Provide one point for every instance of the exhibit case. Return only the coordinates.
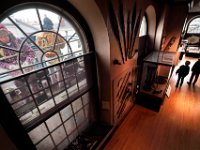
(157, 70)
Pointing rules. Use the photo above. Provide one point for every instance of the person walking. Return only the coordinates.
(48, 24)
(195, 73)
(182, 72)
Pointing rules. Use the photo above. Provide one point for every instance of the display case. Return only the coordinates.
(156, 72)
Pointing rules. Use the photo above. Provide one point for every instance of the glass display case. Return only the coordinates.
(156, 72)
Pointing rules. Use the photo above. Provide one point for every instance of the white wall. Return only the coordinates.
(90, 11)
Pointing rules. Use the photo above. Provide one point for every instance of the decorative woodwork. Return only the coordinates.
(124, 29)
(123, 94)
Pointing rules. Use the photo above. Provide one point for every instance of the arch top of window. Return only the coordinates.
(143, 28)
(194, 26)
(35, 36)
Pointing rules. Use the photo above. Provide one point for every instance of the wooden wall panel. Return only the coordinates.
(123, 94)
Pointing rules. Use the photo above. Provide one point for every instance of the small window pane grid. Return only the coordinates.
(61, 129)
(194, 26)
(36, 93)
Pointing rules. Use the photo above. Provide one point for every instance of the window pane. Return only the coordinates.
(73, 88)
(74, 42)
(194, 26)
(27, 20)
(61, 97)
(83, 126)
(68, 69)
(50, 20)
(70, 125)
(87, 111)
(42, 96)
(38, 133)
(45, 144)
(16, 90)
(143, 28)
(66, 112)
(46, 106)
(77, 105)
(26, 110)
(63, 145)
(54, 75)
(85, 98)
(80, 118)
(53, 122)
(59, 135)
(37, 81)
(73, 135)
(15, 36)
(82, 81)
(49, 41)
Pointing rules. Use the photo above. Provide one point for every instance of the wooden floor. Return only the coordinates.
(175, 127)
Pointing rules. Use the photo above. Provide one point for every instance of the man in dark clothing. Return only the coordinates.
(182, 73)
(48, 24)
(195, 72)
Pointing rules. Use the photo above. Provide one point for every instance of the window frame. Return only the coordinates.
(13, 126)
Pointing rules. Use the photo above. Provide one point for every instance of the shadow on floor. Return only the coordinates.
(149, 102)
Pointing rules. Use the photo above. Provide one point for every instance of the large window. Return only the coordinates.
(45, 74)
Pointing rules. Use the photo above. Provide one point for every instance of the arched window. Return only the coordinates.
(194, 26)
(36, 38)
(45, 74)
(143, 28)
